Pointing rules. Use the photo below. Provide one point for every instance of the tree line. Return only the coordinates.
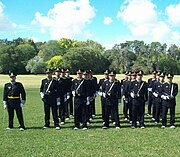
(26, 56)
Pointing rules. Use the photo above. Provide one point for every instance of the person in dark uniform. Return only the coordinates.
(151, 82)
(63, 84)
(125, 95)
(14, 98)
(90, 95)
(139, 95)
(133, 78)
(157, 91)
(49, 95)
(80, 92)
(69, 93)
(101, 90)
(153, 105)
(169, 93)
(94, 84)
(112, 94)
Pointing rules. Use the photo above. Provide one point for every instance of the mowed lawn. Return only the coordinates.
(95, 142)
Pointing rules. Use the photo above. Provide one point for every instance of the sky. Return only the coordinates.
(107, 22)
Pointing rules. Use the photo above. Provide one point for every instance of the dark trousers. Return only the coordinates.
(103, 104)
(14, 104)
(111, 107)
(93, 110)
(158, 106)
(150, 102)
(66, 111)
(138, 108)
(50, 104)
(165, 111)
(70, 106)
(62, 110)
(80, 111)
(130, 109)
(125, 108)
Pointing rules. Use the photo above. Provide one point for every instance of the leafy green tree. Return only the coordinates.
(85, 58)
(54, 62)
(36, 65)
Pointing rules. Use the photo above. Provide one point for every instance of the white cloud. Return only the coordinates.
(139, 15)
(172, 12)
(175, 36)
(66, 19)
(35, 39)
(142, 19)
(5, 23)
(107, 20)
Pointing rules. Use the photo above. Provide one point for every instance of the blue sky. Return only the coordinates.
(105, 21)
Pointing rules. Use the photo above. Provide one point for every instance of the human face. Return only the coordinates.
(112, 77)
(67, 74)
(169, 79)
(58, 73)
(49, 75)
(139, 77)
(79, 75)
(13, 78)
(106, 76)
(161, 79)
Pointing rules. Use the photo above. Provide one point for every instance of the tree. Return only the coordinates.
(85, 58)
(36, 65)
(49, 50)
(54, 62)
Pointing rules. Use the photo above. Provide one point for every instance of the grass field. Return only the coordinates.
(95, 142)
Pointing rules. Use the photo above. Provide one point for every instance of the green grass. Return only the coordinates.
(95, 142)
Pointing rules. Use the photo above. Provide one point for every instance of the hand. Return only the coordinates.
(155, 94)
(132, 95)
(167, 97)
(163, 97)
(68, 96)
(119, 102)
(42, 95)
(73, 93)
(100, 93)
(22, 103)
(88, 101)
(104, 95)
(65, 98)
(4, 104)
(58, 102)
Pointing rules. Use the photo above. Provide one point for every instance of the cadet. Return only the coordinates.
(112, 93)
(170, 90)
(94, 84)
(101, 90)
(139, 94)
(151, 82)
(125, 95)
(14, 98)
(62, 86)
(48, 92)
(80, 92)
(154, 106)
(157, 91)
(69, 93)
(127, 98)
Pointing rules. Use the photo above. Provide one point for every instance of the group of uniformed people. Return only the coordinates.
(57, 95)
(159, 95)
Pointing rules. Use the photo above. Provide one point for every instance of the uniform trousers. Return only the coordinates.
(14, 104)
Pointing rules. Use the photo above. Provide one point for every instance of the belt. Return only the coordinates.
(13, 97)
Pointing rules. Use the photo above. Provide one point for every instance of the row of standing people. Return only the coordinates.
(159, 95)
(57, 94)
